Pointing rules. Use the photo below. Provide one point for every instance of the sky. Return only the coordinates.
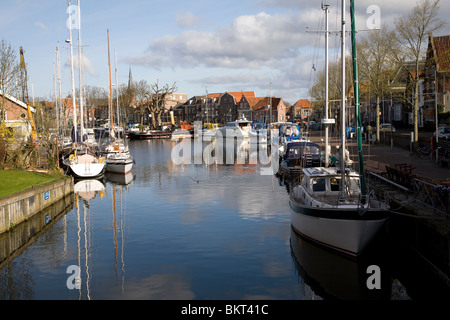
(201, 46)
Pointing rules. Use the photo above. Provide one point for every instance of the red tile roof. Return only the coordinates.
(303, 103)
(441, 46)
(265, 101)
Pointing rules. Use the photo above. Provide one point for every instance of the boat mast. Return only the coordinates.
(80, 67)
(110, 93)
(357, 104)
(117, 88)
(73, 78)
(325, 7)
(342, 120)
(61, 126)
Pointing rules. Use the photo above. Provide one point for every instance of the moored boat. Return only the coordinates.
(321, 212)
(84, 163)
(299, 154)
(331, 205)
(119, 162)
(258, 133)
(239, 129)
(150, 134)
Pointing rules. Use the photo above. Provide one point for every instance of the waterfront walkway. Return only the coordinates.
(424, 169)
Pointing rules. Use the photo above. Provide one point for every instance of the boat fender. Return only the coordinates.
(101, 160)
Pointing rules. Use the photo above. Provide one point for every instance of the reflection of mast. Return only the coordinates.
(86, 249)
(115, 230)
(116, 244)
(121, 233)
(78, 241)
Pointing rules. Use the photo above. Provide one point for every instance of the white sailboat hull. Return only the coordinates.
(87, 170)
(85, 166)
(119, 165)
(347, 236)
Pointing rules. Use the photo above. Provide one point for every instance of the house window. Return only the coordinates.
(397, 113)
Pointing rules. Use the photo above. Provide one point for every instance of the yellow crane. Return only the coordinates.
(25, 95)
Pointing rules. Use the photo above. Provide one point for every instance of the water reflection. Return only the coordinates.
(89, 188)
(16, 280)
(182, 231)
(332, 276)
(121, 179)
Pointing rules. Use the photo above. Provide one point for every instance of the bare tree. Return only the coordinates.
(143, 94)
(127, 100)
(317, 91)
(96, 100)
(376, 65)
(9, 73)
(158, 100)
(412, 30)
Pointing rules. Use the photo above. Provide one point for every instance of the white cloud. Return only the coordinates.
(255, 50)
(87, 65)
(187, 20)
(250, 41)
(41, 25)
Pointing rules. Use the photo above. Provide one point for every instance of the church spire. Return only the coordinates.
(130, 80)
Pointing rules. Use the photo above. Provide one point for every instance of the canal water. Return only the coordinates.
(192, 230)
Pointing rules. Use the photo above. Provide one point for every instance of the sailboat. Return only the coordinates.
(82, 161)
(331, 205)
(116, 151)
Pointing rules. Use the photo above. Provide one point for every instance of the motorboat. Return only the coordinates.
(299, 154)
(239, 129)
(258, 133)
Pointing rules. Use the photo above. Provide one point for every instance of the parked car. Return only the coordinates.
(443, 133)
(386, 127)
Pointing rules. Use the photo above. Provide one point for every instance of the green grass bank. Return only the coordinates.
(14, 181)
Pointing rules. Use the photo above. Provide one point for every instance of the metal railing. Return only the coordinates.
(432, 195)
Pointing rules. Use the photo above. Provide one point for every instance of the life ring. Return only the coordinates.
(72, 158)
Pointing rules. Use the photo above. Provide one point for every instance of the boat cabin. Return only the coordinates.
(328, 181)
(304, 153)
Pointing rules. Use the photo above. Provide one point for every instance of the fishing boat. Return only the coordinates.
(331, 205)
